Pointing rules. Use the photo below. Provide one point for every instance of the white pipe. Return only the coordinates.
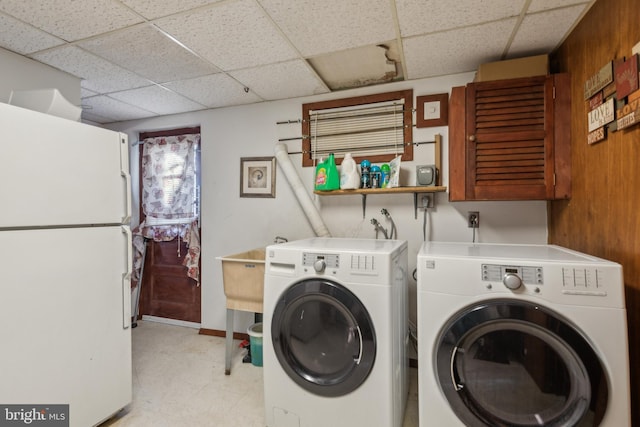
(305, 201)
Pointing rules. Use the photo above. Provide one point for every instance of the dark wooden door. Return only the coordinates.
(166, 290)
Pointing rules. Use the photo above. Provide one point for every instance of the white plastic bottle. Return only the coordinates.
(349, 175)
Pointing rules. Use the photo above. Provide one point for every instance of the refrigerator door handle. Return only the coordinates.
(126, 280)
(124, 171)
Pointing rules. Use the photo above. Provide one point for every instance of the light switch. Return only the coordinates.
(431, 110)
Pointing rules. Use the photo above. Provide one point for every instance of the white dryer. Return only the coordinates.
(520, 335)
(335, 333)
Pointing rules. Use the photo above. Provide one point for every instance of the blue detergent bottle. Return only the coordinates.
(365, 169)
(375, 177)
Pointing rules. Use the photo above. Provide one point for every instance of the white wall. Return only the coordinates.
(231, 224)
(20, 73)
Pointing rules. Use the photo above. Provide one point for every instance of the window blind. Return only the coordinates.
(366, 131)
(374, 127)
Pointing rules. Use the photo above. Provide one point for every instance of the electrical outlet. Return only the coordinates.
(473, 219)
(427, 201)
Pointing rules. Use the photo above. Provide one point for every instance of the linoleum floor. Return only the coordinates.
(179, 380)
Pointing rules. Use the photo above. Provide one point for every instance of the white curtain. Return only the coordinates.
(169, 199)
(169, 179)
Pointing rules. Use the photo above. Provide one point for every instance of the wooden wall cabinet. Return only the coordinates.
(511, 139)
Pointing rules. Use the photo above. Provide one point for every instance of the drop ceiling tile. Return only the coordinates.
(317, 27)
(284, 80)
(152, 9)
(71, 20)
(144, 50)
(85, 93)
(540, 5)
(456, 51)
(542, 32)
(103, 109)
(95, 119)
(232, 35)
(215, 90)
(22, 38)
(98, 75)
(158, 100)
(425, 17)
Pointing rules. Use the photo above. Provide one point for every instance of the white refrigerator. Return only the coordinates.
(65, 266)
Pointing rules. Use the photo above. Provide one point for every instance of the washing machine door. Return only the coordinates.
(323, 337)
(510, 363)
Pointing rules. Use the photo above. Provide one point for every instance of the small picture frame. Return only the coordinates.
(432, 110)
(258, 177)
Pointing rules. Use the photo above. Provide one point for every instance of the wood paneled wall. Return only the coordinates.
(603, 216)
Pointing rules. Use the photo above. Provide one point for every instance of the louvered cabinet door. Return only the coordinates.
(516, 140)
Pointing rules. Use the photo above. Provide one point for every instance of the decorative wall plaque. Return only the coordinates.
(596, 136)
(601, 115)
(626, 76)
(598, 81)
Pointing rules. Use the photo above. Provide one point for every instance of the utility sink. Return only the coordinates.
(243, 279)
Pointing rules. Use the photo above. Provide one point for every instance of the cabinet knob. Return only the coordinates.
(472, 138)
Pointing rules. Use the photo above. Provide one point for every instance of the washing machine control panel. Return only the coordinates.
(513, 276)
(320, 262)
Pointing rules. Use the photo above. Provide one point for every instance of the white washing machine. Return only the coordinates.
(335, 333)
(520, 335)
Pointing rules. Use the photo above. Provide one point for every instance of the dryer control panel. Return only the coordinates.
(496, 273)
(311, 259)
(359, 262)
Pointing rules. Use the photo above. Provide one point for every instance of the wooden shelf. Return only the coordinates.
(365, 191)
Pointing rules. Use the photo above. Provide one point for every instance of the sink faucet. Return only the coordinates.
(279, 239)
(378, 228)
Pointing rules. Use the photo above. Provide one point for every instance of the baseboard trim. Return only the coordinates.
(174, 322)
(218, 333)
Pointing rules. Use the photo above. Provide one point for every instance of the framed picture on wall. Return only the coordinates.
(258, 177)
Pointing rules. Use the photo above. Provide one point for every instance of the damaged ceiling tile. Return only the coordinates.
(359, 67)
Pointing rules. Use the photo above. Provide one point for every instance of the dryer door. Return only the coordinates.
(510, 363)
(323, 337)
